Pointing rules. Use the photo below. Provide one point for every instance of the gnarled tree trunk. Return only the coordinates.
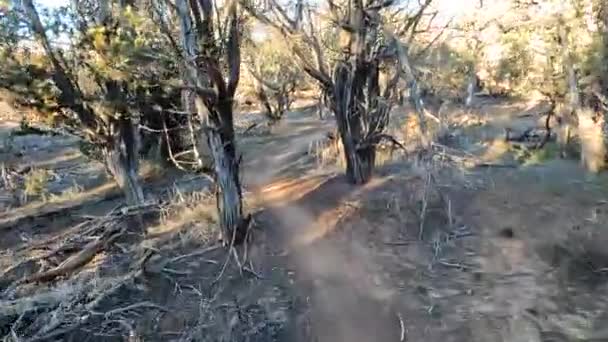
(360, 110)
(121, 160)
(229, 197)
(349, 82)
(213, 97)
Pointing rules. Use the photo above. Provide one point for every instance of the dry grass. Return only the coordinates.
(35, 184)
(191, 216)
(364, 240)
(593, 149)
(327, 152)
(150, 169)
(68, 194)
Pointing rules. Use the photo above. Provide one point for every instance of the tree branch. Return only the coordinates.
(234, 51)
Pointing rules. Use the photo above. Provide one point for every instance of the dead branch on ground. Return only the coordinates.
(70, 297)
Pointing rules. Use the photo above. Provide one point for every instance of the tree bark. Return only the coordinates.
(191, 75)
(349, 81)
(603, 19)
(471, 87)
(572, 81)
(359, 162)
(229, 197)
(214, 95)
(121, 160)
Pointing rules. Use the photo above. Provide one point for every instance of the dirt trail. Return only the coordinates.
(303, 206)
(491, 286)
(521, 259)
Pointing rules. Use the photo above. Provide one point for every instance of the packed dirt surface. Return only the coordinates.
(432, 249)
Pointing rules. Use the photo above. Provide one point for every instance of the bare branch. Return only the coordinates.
(433, 41)
(271, 85)
(319, 71)
(234, 51)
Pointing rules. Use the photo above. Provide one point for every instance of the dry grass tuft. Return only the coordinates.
(35, 183)
(150, 169)
(327, 152)
(593, 149)
(192, 216)
(71, 193)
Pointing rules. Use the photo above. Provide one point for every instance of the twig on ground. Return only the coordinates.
(219, 276)
(145, 304)
(252, 126)
(176, 272)
(601, 270)
(64, 234)
(453, 265)
(251, 270)
(449, 209)
(195, 254)
(399, 243)
(56, 333)
(427, 184)
(236, 259)
(71, 304)
(402, 327)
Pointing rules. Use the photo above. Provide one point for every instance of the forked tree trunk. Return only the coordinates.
(360, 116)
(214, 95)
(121, 160)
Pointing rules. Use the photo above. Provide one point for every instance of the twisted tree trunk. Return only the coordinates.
(121, 160)
(349, 82)
(213, 98)
(229, 197)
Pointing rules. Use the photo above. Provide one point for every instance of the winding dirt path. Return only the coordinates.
(302, 208)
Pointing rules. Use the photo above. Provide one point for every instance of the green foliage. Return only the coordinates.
(445, 71)
(90, 150)
(125, 51)
(516, 69)
(550, 151)
(522, 51)
(272, 60)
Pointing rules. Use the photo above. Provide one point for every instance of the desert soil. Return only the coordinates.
(505, 253)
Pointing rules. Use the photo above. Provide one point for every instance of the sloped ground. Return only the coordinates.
(507, 254)
(513, 267)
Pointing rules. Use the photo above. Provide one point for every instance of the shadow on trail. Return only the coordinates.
(331, 272)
